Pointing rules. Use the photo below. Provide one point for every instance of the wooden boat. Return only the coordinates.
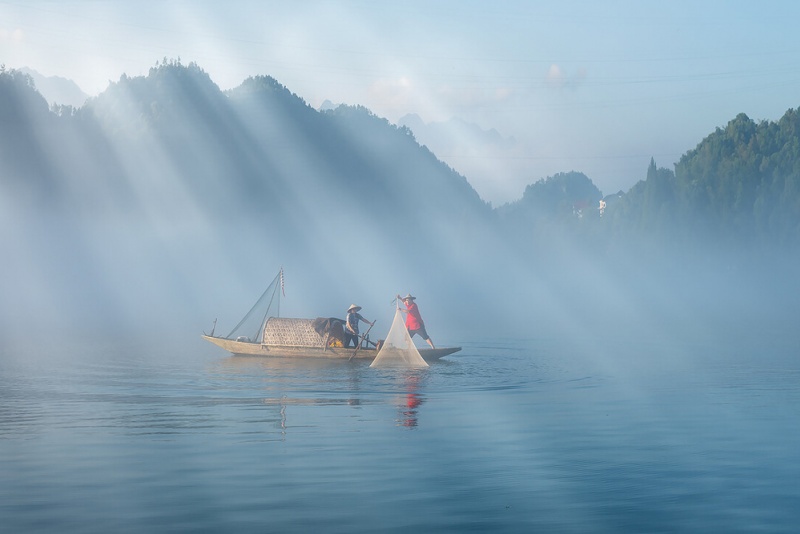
(299, 338)
(243, 348)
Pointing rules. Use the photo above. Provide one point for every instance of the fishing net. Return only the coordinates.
(251, 328)
(398, 349)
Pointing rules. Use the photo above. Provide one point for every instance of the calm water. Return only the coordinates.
(524, 436)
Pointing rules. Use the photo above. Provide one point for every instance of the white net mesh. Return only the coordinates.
(398, 349)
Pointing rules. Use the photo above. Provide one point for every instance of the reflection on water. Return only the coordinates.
(327, 383)
(409, 403)
(503, 437)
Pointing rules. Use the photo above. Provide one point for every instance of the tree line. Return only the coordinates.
(740, 185)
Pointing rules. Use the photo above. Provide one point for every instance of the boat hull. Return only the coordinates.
(239, 348)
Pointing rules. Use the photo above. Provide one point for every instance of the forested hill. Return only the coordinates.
(740, 185)
(164, 177)
(172, 141)
(166, 191)
(739, 189)
(176, 138)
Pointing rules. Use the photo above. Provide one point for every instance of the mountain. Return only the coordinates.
(165, 201)
(148, 175)
(565, 195)
(740, 186)
(327, 105)
(57, 90)
(470, 149)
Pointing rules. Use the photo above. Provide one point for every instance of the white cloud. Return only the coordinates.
(555, 76)
(558, 78)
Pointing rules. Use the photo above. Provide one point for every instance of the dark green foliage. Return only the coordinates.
(741, 181)
(16, 86)
(560, 197)
(650, 207)
(26, 127)
(737, 189)
(559, 207)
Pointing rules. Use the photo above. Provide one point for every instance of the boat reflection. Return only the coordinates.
(289, 382)
(408, 404)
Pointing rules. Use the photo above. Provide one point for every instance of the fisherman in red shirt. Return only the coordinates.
(414, 322)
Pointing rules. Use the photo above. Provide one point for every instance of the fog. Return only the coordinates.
(165, 204)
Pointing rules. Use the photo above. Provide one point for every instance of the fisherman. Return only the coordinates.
(414, 322)
(351, 325)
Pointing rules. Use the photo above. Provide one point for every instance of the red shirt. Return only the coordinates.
(413, 319)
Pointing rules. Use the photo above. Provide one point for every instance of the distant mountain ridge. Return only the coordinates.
(254, 168)
(739, 177)
(162, 179)
(446, 136)
(57, 90)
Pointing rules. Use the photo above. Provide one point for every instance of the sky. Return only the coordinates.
(546, 86)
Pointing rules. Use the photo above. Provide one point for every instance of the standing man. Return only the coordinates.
(414, 322)
(351, 325)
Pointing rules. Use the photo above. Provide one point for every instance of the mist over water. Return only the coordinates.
(612, 378)
(165, 203)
